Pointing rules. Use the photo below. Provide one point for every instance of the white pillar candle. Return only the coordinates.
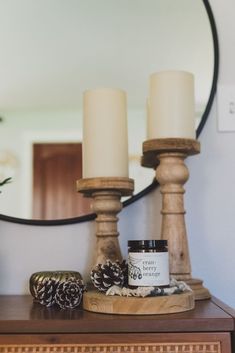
(149, 124)
(171, 105)
(105, 146)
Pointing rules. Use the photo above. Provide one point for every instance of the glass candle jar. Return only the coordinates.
(148, 263)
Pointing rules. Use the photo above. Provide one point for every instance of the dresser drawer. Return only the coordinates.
(117, 343)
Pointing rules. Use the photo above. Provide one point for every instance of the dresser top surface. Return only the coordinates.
(19, 314)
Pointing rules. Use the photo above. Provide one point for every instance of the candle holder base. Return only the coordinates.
(106, 193)
(200, 292)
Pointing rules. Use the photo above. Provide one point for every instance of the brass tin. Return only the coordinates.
(60, 276)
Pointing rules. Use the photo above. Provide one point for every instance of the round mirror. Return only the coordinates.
(54, 50)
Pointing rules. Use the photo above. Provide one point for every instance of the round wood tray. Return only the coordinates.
(101, 303)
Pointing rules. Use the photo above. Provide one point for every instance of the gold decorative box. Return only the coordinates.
(62, 288)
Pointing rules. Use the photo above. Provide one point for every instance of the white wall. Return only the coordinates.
(211, 189)
(210, 204)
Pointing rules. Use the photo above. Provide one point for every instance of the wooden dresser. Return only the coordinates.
(28, 327)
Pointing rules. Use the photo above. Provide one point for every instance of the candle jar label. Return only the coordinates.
(148, 269)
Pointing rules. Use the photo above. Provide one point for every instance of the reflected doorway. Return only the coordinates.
(56, 167)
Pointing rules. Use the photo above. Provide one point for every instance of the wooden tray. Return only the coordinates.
(101, 303)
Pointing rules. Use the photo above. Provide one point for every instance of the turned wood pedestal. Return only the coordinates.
(167, 157)
(106, 196)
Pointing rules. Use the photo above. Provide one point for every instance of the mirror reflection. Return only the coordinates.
(54, 50)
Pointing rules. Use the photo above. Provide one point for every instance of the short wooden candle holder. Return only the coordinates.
(106, 193)
(167, 156)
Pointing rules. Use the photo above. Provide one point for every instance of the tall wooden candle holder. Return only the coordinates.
(106, 193)
(167, 156)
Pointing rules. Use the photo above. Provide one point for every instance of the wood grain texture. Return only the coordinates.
(56, 167)
(106, 204)
(27, 327)
(115, 339)
(101, 303)
(230, 311)
(172, 174)
(170, 342)
(191, 347)
(156, 146)
(20, 314)
(200, 292)
(89, 185)
(106, 196)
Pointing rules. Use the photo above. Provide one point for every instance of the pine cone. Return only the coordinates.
(45, 292)
(124, 268)
(104, 276)
(69, 293)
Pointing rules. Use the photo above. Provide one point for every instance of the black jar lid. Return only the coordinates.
(147, 244)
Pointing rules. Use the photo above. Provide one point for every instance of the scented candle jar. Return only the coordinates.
(148, 263)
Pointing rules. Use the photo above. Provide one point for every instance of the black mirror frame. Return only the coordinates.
(152, 186)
